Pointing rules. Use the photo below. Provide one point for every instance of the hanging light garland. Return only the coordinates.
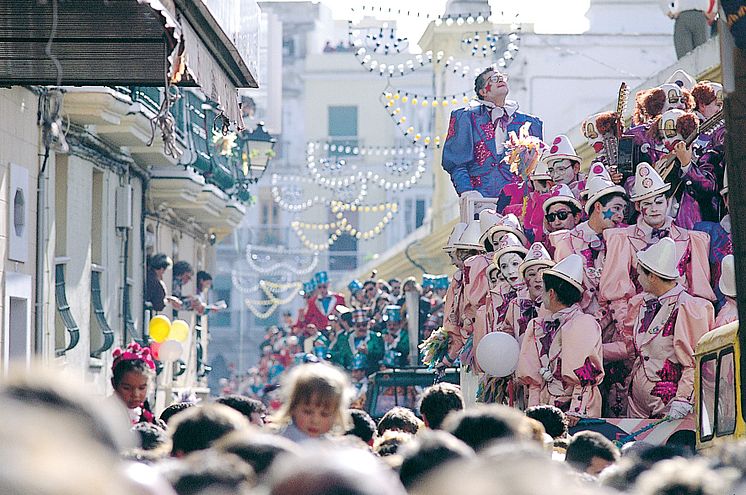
(487, 44)
(271, 301)
(362, 177)
(384, 40)
(296, 207)
(350, 150)
(285, 267)
(396, 115)
(343, 224)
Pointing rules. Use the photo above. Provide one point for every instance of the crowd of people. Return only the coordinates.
(56, 441)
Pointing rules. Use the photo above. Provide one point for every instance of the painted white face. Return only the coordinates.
(562, 171)
(498, 236)
(592, 136)
(534, 282)
(494, 279)
(667, 128)
(653, 210)
(509, 263)
(674, 97)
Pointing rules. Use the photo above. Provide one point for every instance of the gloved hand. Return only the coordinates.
(678, 409)
(546, 374)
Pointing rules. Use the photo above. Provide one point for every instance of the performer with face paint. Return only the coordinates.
(667, 324)
(619, 279)
(561, 359)
(563, 164)
(598, 129)
(605, 207)
(693, 181)
(505, 282)
(474, 147)
(526, 201)
(562, 211)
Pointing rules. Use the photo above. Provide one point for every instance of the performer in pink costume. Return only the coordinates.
(563, 164)
(668, 323)
(605, 207)
(561, 358)
(619, 278)
(527, 305)
(729, 312)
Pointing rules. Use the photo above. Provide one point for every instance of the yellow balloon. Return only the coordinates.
(159, 328)
(179, 331)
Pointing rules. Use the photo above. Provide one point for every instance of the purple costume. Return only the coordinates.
(470, 154)
(720, 246)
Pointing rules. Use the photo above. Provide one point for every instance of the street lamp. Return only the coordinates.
(257, 149)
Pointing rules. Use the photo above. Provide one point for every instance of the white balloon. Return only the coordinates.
(170, 351)
(497, 354)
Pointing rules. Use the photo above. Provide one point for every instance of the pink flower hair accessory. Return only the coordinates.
(133, 352)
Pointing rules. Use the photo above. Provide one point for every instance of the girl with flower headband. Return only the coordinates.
(131, 373)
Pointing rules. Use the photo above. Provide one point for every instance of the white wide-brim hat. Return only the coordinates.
(570, 270)
(537, 256)
(509, 244)
(561, 194)
(661, 259)
(648, 183)
(470, 237)
(597, 189)
(458, 229)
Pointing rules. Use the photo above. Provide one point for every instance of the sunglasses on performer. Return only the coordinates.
(561, 215)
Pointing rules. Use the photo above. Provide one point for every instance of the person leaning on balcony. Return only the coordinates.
(691, 27)
(155, 289)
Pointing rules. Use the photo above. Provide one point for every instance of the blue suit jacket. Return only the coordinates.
(470, 154)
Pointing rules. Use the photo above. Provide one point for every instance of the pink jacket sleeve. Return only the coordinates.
(620, 350)
(451, 320)
(615, 285)
(476, 285)
(696, 318)
(562, 245)
(507, 325)
(527, 371)
(582, 364)
(699, 275)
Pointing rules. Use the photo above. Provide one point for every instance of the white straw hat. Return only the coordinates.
(661, 259)
(570, 270)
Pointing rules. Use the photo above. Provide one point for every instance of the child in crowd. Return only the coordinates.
(317, 397)
(132, 371)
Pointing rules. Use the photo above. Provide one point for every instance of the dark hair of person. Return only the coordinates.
(479, 426)
(159, 261)
(198, 427)
(567, 293)
(438, 401)
(126, 366)
(429, 451)
(585, 445)
(573, 208)
(245, 405)
(182, 267)
(363, 425)
(368, 282)
(390, 442)
(399, 418)
(151, 436)
(393, 281)
(203, 276)
(211, 472)
(173, 409)
(553, 419)
(259, 450)
(481, 80)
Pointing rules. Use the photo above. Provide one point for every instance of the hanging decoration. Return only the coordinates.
(340, 149)
(417, 137)
(488, 44)
(449, 19)
(362, 177)
(264, 266)
(295, 206)
(272, 301)
(343, 225)
(384, 40)
(393, 97)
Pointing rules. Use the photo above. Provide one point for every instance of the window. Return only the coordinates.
(107, 334)
(707, 397)
(343, 253)
(343, 126)
(221, 291)
(64, 314)
(19, 212)
(414, 214)
(726, 412)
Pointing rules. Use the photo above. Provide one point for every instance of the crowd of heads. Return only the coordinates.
(56, 440)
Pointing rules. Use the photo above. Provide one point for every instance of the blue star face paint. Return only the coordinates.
(608, 214)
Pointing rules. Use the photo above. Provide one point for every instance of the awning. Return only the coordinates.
(121, 43)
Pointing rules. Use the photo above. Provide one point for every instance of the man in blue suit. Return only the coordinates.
(473, 149)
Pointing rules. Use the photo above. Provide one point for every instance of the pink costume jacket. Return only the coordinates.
(452, 322)
(568, 344)
(666, 331)
(519, 313)
(583, 240)
(619, 283)
(475, 295)
(490, 315)
(528, 206)
(728, 313)
(315, 312)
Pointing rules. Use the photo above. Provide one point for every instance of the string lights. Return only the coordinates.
(262, 265)
(354, 150)
(297, 207)
(487, 44)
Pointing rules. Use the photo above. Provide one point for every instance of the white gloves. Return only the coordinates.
(679, 409)
(546, 374)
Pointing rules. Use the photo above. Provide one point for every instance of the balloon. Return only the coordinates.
(155, 348)
(497, 354)
(159, 328)
(170, 351)
(179, 331)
